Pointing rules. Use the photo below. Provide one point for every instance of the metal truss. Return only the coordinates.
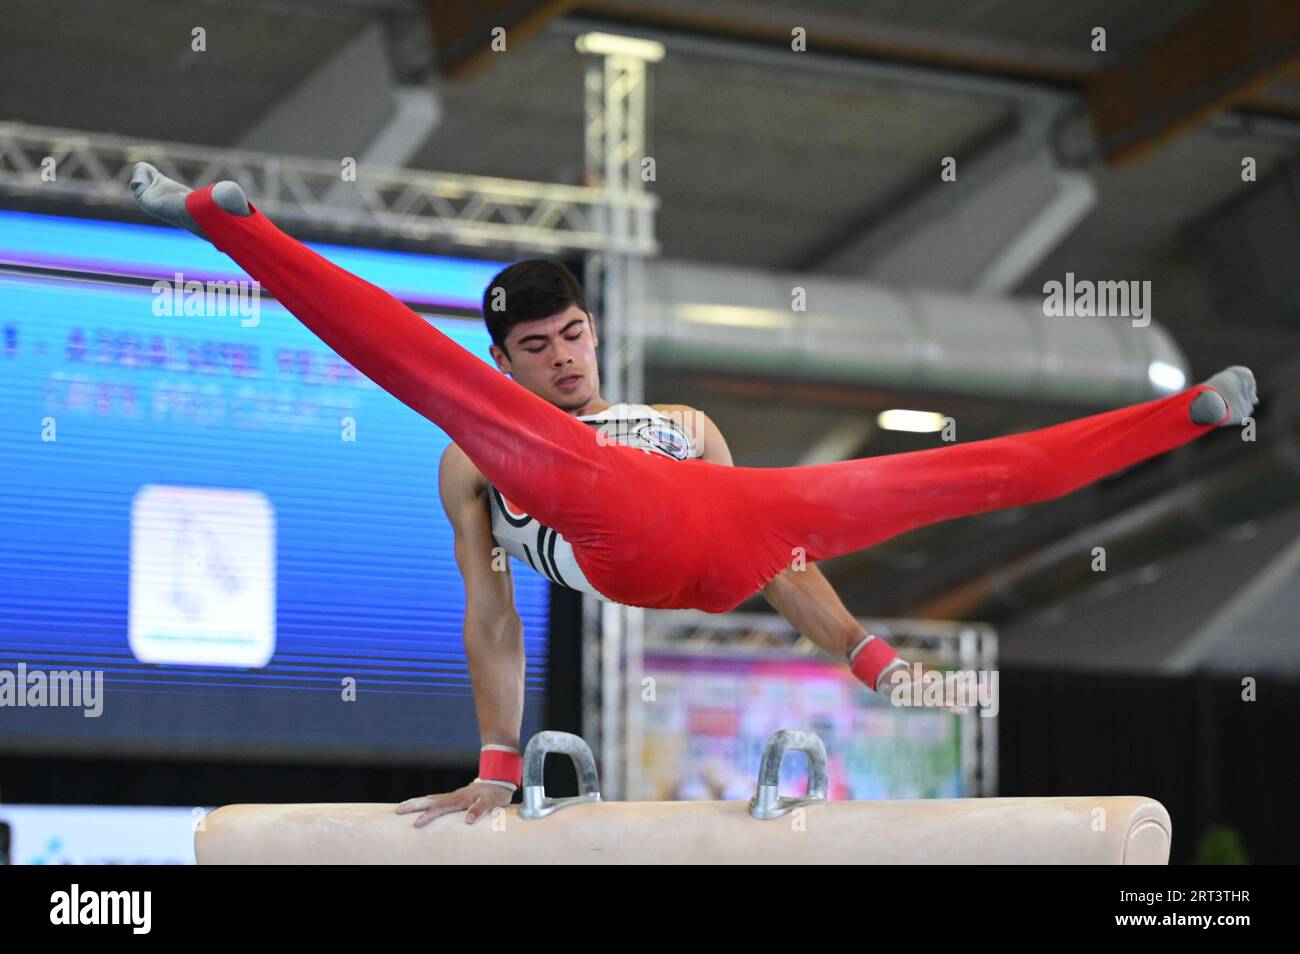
(468, 211)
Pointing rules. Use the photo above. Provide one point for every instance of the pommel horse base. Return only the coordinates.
(769, 830)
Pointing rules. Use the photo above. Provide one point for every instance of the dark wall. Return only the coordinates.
(1192, 743)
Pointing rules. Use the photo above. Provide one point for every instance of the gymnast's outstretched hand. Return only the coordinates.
(474, 800)
(955, 686)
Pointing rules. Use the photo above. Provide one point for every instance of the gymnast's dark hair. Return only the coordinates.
(528, 290)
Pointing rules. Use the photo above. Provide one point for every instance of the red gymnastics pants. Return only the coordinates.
(655, 532)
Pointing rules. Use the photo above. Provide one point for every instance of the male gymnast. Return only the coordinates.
(656, 517)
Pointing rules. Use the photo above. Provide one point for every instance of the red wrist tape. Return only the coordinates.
(501, 766)
(872, 660)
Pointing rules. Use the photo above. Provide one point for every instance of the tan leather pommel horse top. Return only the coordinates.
(769, 830)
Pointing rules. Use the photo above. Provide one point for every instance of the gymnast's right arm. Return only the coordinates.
(493, 632)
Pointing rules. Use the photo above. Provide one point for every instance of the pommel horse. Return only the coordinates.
(771, 829)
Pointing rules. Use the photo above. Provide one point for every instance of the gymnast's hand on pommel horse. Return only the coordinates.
(659, 517)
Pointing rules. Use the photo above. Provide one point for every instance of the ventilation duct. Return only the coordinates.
(861, 334)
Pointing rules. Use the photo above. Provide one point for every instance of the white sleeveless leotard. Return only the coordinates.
(547, 552)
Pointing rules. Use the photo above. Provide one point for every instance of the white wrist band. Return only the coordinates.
(853, 656)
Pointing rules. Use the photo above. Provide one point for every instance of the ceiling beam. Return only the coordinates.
(852, 31)
(940, 47)
(462, 29)
(1222, 57)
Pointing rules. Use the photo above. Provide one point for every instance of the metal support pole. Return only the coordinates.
(614, 147)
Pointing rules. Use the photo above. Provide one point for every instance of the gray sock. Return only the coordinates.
(1236, 393)
(164, 198)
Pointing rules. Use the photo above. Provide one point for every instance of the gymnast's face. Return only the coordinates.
(555, 358)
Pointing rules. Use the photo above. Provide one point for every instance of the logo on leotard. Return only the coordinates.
(666, 438)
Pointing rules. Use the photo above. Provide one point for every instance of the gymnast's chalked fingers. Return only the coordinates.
(487, 799)
(475, 811)
(416, 804)
(443, 805)
(958, 688)
(429, 816)
(431, 806)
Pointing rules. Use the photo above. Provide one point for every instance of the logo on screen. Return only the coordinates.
(202, 577)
